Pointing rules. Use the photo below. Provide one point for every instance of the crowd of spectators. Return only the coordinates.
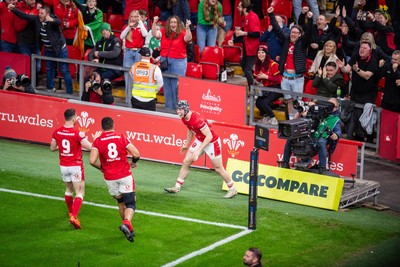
(353, 48)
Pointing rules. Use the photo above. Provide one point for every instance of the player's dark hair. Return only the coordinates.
(257, 253)
(69, 114)
(107, 123)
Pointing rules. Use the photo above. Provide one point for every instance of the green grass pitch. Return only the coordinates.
(196, 227)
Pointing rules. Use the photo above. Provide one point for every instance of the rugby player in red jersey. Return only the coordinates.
(206, 141)
(112, 148)
(69, 142)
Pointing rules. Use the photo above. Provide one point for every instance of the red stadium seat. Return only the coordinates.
(213, 54)
(264, 23)
(196, 53)
(309, 89)
(194, 70)
(228, 36)
(233, 54)
(210, 70)
(116, 22)
(378, 100)
(283, 8)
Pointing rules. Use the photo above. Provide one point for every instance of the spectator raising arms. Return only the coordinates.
(292, 62)
(270, 37)
(48, 29)
(133, 35)
(89, 33)
(174, 38)
(380, 25)
(26, 38)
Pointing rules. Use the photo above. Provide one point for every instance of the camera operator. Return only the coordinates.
(98, 91)
(328, 132)
(16, 83)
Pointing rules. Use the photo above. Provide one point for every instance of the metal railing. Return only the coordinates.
(81, 68)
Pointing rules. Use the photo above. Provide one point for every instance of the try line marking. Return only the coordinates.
(221, 242)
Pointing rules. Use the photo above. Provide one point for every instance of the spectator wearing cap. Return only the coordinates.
(16, 83)
(266, 73)
(51, 37)
(133, 36)
(107, 51)
(147, 80)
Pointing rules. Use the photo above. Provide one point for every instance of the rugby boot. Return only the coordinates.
(231, 193)
(174, 189)
(75, 222)
(125, 230)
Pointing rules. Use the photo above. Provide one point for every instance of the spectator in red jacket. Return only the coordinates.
(67, 12)
(249, 35)
(26, 34)
(8, 33)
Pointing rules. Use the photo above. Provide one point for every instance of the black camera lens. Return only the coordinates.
(106, 86)
(95, 85)
(24, 80)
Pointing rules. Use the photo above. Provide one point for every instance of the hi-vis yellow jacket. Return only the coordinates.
(144, 84)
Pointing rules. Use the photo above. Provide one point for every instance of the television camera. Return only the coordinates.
(302, 132)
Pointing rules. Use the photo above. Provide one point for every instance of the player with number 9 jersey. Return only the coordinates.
(69, 140)
(112, 148)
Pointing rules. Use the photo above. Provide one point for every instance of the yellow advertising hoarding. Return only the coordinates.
(298, 187)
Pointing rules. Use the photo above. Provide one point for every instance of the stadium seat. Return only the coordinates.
(18, 62)
(196, 53)
(194, 70)
(378, 100)
(283, 8)
(309, 89)
(233, 54)
(228, 36)
(264, 23)
(116, 22)
(211, 70)
(213, 54)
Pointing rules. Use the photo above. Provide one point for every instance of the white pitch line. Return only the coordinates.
(244, 231)
(208, 248)
(137, 211)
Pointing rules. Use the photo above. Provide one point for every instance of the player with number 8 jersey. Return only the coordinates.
(112, 149)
